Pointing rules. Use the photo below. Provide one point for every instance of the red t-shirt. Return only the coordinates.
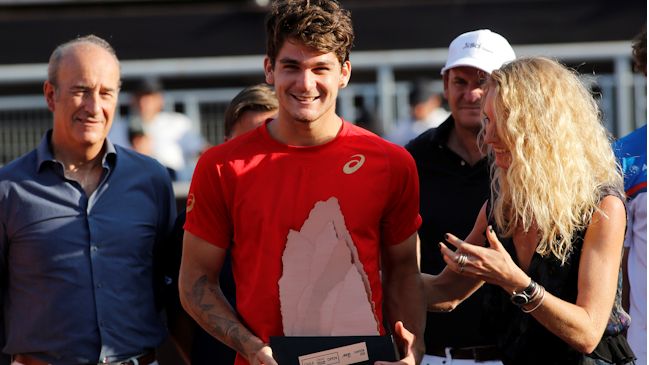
(248, 193)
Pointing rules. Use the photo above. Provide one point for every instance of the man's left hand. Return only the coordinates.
(407, 341)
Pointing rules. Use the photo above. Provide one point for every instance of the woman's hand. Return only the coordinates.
(492, 264)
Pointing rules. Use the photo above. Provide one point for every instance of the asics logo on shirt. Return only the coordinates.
(354, 164)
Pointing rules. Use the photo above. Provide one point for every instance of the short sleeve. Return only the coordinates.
(207, 212)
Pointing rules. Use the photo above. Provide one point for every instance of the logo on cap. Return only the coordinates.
(467, 50)
(476, 46)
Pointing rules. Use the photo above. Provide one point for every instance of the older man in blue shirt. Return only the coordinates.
(79, 221)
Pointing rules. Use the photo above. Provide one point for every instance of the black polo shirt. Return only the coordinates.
(452, 193)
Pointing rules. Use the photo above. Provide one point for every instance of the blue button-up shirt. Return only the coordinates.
(77, 271)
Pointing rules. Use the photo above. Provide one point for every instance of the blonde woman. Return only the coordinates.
(549, 240)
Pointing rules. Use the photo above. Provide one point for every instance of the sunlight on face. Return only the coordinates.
(84, 100)
(306, 82)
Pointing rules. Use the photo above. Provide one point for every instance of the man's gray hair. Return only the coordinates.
(59, 51)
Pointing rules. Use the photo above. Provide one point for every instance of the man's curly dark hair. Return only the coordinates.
(320, 24)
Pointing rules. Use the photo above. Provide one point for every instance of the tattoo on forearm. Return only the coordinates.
(230, 330)
(198, 293)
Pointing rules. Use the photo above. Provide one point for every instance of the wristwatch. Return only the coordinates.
(523, 297)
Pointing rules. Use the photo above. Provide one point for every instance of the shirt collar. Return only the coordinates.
(44, 152)
(441, 134)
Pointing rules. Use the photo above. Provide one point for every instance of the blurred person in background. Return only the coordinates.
(140, 142)
(548, 241)
(174, 142)
(426, 111)
(632, 155)
(80, 222)
(363, 116)
(119, 131)
(454, 174)
(248, 109)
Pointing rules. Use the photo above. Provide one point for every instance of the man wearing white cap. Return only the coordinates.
(454, 183)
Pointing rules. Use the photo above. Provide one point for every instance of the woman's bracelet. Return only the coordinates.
(528, 295)
(539, 304)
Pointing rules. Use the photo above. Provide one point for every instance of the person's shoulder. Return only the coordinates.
(421, 145)
(431, 137)
(634, 141)
(426, 137)
(370, 140)
(17, 172)
(612, 205)
(138, 161)
(368, 137)
(638, 134)
(247, 144)
(25, 164)
(130, 155)
(611, 192)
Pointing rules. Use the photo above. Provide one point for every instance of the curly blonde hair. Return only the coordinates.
(561, 157)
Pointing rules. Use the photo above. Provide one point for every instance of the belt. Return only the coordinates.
(478, 353)
(145, 359)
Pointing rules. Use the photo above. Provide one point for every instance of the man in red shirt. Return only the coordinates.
(308, 204)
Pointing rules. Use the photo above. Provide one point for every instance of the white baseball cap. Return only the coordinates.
(482, 49)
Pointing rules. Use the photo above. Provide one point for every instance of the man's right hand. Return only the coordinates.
(202, 298)
(264, 356)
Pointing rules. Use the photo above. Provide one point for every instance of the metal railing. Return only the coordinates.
(24, 118)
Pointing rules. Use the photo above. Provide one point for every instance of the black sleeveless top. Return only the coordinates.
(523, 340)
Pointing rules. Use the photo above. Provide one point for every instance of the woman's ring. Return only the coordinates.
(461, 260)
